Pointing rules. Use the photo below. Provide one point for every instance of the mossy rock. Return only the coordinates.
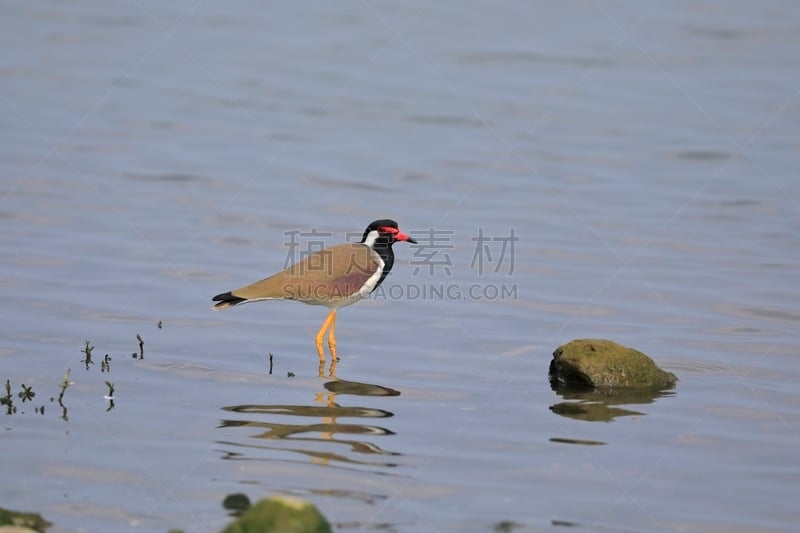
(22, 521)
(603, 363)
(280, 514)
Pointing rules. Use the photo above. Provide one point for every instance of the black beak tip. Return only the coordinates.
(412, 241)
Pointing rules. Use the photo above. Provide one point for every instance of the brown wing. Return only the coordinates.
(322, 278)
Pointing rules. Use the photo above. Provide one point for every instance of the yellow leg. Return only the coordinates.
(332, 338)
(321, 334)
(332, 371)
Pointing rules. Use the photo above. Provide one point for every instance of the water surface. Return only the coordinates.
(572, 170)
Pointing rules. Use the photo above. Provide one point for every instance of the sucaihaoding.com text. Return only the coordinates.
(446, 291)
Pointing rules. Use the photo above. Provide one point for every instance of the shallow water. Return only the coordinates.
(643, 154)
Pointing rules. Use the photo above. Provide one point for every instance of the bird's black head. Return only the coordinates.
(384, 232)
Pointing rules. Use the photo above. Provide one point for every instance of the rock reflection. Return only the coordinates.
(600, 405)
(316, 439)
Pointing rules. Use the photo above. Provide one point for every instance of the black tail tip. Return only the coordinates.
(223, 297)
(226, 299)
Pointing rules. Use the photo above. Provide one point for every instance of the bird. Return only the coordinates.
(333, 277)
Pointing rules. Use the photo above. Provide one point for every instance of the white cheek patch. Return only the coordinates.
(372, 236)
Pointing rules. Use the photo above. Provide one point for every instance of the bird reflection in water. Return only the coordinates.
(316, 439)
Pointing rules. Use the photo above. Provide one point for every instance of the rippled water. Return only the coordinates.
(571, 170)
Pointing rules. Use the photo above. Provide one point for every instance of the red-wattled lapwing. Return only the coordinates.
(334, 277)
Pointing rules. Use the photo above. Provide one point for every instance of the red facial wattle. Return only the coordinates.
(397, 234)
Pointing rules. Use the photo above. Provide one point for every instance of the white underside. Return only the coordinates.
(373, 280)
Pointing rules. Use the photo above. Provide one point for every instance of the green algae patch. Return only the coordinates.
(280, 514)
(23, 521)
(604, 363)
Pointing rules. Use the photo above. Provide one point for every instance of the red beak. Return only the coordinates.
(400, 236)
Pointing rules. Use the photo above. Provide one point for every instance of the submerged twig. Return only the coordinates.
(87, 351)
(8, 400)
(26, 394)
(110, 396)
(64, 384)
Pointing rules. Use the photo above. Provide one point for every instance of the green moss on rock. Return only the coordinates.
(19, 521)
(603, 363)
(282, 514)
